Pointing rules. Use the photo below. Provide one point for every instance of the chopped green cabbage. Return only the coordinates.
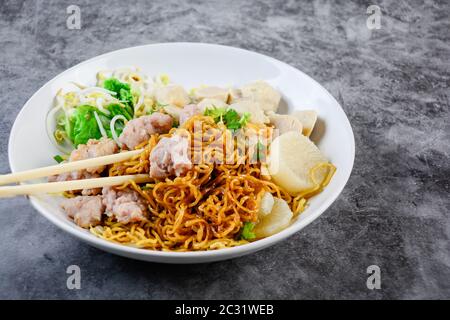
(122, 90)
(246, 231)
(82, 125)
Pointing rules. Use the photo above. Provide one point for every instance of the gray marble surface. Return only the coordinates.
(393, 84)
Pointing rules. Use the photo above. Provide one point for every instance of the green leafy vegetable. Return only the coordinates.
(58, 158)
(122, 90)
(83, 125)
(229, 117)
(117, 109)
(246, 231)
(80, 124)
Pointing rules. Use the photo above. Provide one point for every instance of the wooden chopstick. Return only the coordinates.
(67, 167)
(57, 187)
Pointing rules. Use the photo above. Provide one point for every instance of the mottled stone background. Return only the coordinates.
(393, 84)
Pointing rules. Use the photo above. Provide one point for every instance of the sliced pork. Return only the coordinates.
(139, 130)
(86, 211)
(125, 205)
(170, 157)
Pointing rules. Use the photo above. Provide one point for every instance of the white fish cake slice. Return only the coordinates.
(247, 106)
(211, 93)
(291, 158)
(173, 111)
(234, 95)
(285, 122)
(173, 95)
(308, 118)
(277, 220)
(211, 103)
(263, 94)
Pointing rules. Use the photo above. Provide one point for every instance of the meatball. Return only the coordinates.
(86, 211)
(139, 130)
(125, 205)
(170, 157)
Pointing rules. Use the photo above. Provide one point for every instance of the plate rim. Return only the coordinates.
(220, 254)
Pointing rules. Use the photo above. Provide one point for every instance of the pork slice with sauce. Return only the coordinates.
(139, 130)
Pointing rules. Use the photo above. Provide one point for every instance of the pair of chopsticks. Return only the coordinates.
(57, 187)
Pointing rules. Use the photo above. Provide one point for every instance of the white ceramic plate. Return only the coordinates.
(189, 64)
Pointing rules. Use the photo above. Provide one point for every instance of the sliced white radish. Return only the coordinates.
(291, 158)
(278, 219)
(266, 205)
